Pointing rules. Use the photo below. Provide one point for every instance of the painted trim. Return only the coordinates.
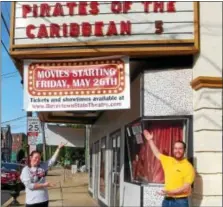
(180, 117)
(100, 197)
(90, 190)
(142, 93)
(12, 26)
(134, 121)
(90, 193)
(104, 51)
(141, 196)
(101, 203)
(95, 178)
(96, 43)
(197, 25)
(114, 134)
(90, 182)
(206, 82)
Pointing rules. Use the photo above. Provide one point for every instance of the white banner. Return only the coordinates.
(77, 85)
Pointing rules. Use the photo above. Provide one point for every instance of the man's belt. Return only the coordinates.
(172, 198)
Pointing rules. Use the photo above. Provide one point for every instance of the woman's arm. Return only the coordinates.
(36, 186)
(42, 185)
(26, 180)
(53, 159)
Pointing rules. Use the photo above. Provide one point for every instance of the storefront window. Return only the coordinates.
(90, 170)
(102, 167)
(144, 167)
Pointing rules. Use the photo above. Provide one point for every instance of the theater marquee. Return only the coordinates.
(103, 28)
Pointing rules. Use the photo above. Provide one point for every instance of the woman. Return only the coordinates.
(33, 177)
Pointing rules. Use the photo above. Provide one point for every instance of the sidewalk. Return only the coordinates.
(70, 190)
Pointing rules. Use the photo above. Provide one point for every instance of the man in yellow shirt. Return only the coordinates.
(179, 174)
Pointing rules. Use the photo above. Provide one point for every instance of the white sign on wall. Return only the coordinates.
(77, 85)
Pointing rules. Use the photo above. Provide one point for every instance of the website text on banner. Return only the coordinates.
(85, 84)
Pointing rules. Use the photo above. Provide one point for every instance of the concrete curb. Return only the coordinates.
(10, 200)
(7, 202)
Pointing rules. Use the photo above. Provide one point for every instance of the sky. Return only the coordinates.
(11, 87)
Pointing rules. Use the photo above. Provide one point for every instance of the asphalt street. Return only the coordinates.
(4, 196)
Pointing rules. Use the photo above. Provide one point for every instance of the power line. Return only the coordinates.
(11, 73)
(16, 119)
(12, 76)
(17, 126)
(9, 76)
(21, 123)
(6, 26)
(5, 47)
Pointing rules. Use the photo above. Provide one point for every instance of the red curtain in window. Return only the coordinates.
(147, 167)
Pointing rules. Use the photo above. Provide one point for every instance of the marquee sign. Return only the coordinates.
(76, 85)
(84, 28)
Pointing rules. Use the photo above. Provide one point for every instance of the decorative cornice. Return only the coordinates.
(206, 82)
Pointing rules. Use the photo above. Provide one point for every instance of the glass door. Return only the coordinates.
(115, 169)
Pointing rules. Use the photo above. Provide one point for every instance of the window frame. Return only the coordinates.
(187, 138)
(103, 196)
(91, 167)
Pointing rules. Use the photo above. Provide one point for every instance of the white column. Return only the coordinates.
(208, 109)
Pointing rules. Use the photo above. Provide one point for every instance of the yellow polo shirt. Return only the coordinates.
(177, 173)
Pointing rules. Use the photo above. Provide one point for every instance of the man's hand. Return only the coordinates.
(148, 136)
(183, 190)
(163, 193)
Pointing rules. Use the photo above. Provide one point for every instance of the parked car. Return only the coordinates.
(10, 172)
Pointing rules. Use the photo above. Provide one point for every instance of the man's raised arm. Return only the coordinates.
(149, 138)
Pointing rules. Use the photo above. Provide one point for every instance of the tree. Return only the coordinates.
(20, 155)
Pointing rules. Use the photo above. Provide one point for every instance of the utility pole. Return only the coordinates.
(44, 140)
(28, 114)
(87, 136)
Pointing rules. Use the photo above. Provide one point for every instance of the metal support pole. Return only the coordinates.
(28, 114)
(87, 136)
(44, 140)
